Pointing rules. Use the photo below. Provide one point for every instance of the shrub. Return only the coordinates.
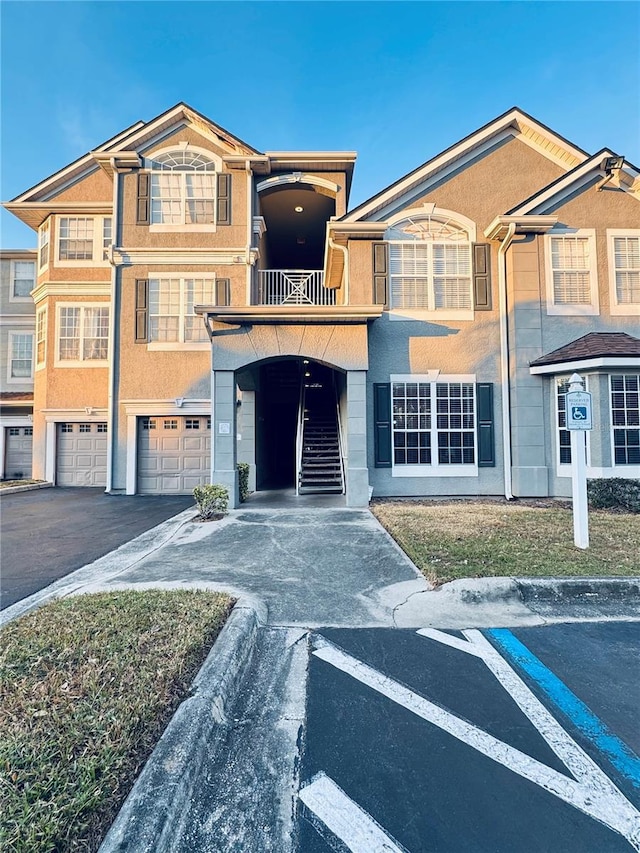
(614, 493)
(211, 500)
(243, 480)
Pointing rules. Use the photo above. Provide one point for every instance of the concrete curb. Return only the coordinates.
(30, 487)
(525, 590)
(163, 790)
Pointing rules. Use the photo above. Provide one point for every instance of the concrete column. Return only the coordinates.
(247, 443)
(356, 450)
(223, 433)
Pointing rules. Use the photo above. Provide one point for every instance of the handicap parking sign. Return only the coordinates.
(579, 410)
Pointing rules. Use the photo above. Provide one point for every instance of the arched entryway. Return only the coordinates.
(293, 414)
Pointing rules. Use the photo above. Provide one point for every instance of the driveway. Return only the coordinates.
(47, 533)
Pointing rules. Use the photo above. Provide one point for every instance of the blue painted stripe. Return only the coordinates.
(619, 754)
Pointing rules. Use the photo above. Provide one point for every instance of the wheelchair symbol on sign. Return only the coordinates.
(579, 413)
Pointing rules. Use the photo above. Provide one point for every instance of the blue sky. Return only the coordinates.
(396, 81)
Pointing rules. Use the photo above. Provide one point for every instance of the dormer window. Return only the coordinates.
(183, 189)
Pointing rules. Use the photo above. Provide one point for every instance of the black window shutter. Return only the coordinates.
(382, 424)
(142, 311)
(144, 204)
(482, 276)
(381, 274)
(224, 199)
(486, 441)
(223, 291)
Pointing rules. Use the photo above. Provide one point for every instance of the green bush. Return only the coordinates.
(614, 493)
(243, 480)
(211, 500)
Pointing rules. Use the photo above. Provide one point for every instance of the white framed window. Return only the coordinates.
(625, 418)
(171, 317)
(41, 337)
(23, 280)
(43, 245)
(623, 249)
(82, 335)
(571, 272)
(430, 267)
(20, 362)
(434, 425)
(83, 240)
(183, 190)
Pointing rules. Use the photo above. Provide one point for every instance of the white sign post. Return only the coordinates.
(579, 420)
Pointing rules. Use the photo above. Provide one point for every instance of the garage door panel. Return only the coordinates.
(18, 452)
(173, 454)
(81, 454)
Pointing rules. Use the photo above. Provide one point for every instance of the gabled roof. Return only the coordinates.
(514, 123)
(582, 176)
(136, 136)
(595, 345)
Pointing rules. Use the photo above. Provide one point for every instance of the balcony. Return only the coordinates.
(293, 287)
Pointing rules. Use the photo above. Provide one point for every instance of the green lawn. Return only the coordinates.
(88, 686)
(462, 539)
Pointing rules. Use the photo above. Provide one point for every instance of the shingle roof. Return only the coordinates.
(5, 396)
(593, 345)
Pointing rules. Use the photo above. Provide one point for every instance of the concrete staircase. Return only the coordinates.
(321, 464)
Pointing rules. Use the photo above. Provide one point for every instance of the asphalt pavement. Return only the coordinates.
(47, 533)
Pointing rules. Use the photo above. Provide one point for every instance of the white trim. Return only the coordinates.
(453, 314)
(630, 472)
(605, 362)
(615, 309)
(457, 157)
(131, 461)
(71, 288)
(149, 159)
(41, 312)
(182, 257)
(44, 230)
(79, 363)
(621, 466)
(18, 320)
(297, 178)
(435, 468)
(12, 279)
(6, 422)
(574, 310)
(176, 346)
(21, 380)
(98, 248)
(169, 408)
(50, 451)
(432, 211)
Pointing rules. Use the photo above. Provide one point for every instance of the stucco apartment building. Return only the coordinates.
(199, 303)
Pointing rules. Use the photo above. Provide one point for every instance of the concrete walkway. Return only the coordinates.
(310, 567)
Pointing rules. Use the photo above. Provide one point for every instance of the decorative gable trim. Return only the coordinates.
(512, 124)
(579, 178)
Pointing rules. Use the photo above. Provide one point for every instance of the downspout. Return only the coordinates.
(345, 272)
(111, 393)
(504, 359)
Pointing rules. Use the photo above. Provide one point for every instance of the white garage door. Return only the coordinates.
(81, 454)
(17, 456)
(173, 454)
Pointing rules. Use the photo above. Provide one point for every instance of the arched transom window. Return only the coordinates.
(183, 188)
(430, 264)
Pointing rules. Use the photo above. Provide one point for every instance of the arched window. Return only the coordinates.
(183, 188)
(430, 264)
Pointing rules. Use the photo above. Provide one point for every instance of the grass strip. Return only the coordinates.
(89, 684)
(475, 539)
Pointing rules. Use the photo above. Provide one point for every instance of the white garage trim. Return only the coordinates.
(159, 408)
(56, 416)
(8, 421)
(81, 453)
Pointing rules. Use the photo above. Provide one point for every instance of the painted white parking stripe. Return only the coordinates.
(344, 818)
(595, 794)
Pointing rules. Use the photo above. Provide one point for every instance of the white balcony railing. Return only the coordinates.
(293, 287)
